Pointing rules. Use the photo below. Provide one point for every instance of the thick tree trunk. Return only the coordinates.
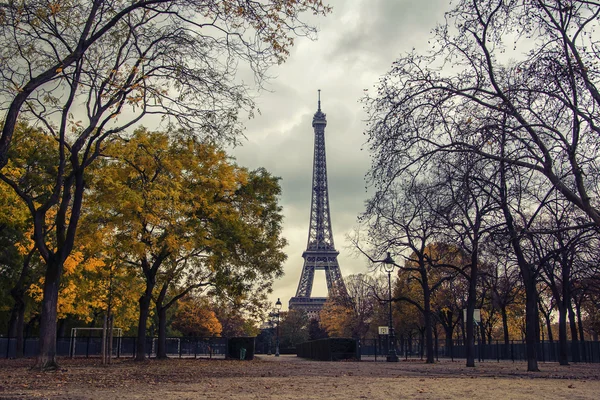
(563, 345)
(428, 325)
(581, 331)
(47, 356)
(579, 322)
(470, 330)
(449, 333)
(531, 323)
(505, 330)
(549, 328)
(574, 335)
(482, 334)
(144, 301)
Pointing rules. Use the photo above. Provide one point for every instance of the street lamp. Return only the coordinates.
(389, 265)
(271, 327)
(278, 308)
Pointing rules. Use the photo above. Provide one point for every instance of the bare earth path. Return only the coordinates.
(291, 378)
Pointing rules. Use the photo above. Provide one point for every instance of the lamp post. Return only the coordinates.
(270, 333)
(389, 265)
(278, 308)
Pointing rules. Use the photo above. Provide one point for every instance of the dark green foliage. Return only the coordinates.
(236, 344)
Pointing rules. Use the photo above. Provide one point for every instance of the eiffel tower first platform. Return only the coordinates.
(320, 251)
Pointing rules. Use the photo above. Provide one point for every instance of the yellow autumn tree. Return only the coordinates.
(186, 218)
(17, 262)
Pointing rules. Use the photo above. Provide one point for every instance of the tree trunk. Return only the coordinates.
(470, 330)
(581, 331)
(531, 323)
(110, 336)
(527, 273)
(144, 313)
(579, 321)
(505, 330)
(103, 345)
(428, 325)
(449, 333)
(482, 333)
(47, 356)
(563, 345)
(574, 335)
(549, 328)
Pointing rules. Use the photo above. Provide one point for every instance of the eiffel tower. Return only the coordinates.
(320, 251)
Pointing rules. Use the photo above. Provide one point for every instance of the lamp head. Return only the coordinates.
(278, 304)
(388, 263)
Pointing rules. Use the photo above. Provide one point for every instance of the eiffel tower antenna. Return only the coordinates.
(319, 107)
(320, 251)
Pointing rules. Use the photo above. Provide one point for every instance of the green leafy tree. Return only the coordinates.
(293, 328)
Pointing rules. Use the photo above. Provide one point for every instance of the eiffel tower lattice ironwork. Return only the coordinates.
(320, 251)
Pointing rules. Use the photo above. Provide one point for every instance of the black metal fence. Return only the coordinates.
(91, 346)
(378, 349)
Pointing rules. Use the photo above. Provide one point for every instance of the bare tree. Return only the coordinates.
(533, 110)
(403, 220)
(468, 216)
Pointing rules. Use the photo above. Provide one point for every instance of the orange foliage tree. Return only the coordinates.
(195, 317)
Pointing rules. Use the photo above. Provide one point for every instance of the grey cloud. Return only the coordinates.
(384, 28)
(356, 45)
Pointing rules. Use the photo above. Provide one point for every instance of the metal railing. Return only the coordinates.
(124, 346)
(588, 351)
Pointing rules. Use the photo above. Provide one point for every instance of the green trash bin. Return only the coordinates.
(242, 353)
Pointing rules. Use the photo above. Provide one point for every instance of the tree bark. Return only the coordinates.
(574, 335)
(47, 355)
(531, 322)
(505, 330)
(144, 301)
(427, 316)
(563, 346)
(579, 321)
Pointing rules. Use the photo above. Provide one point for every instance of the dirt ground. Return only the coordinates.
(289, 377)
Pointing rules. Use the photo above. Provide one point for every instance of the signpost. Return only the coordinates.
(384, 330)
(476, 315)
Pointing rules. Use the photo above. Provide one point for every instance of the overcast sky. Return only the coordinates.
(356, 45)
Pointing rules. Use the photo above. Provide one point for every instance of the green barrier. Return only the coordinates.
(242, 353)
